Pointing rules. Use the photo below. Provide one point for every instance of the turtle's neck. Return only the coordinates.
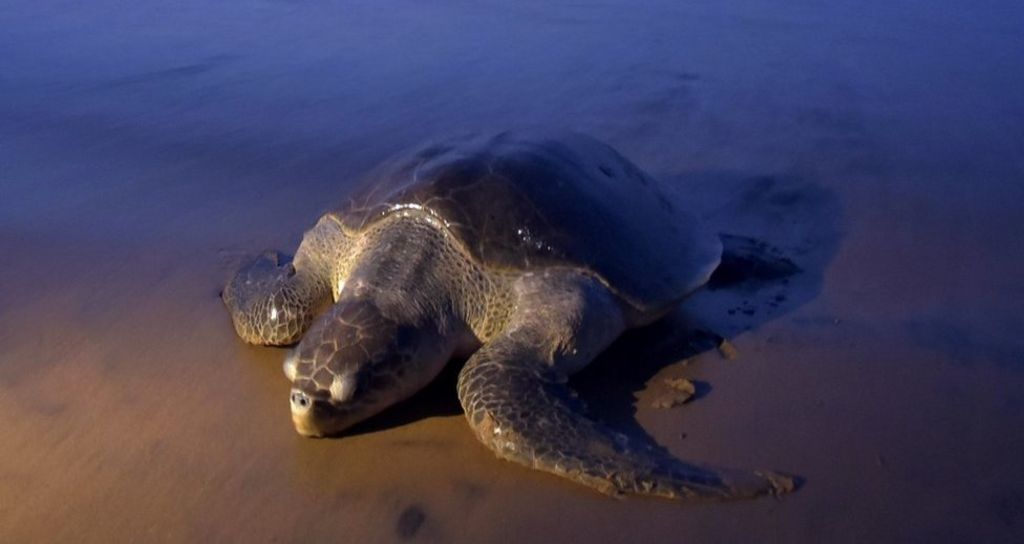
(412, 268)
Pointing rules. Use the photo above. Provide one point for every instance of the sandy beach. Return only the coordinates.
(148, 151)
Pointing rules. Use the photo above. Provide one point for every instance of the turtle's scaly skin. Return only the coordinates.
(528, 256)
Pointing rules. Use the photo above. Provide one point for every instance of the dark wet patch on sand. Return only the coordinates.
(409, 522)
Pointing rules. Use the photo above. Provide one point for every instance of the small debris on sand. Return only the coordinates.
(670, 400)
(727, 350)
(683, 391)
(681, 384)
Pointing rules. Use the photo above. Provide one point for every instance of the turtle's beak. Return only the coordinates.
(316, 416)
(302, 410)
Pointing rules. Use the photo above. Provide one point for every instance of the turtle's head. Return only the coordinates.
(272, 304)
(355, 362)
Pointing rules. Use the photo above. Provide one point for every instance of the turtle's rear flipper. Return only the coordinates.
(534, 420)
(515, 397)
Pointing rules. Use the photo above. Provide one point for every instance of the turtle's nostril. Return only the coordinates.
(300, 402)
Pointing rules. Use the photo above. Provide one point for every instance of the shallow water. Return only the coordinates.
(146, 151)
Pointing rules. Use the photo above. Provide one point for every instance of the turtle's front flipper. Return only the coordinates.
(514, 394)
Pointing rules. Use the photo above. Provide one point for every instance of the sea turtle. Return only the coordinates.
(528, 255)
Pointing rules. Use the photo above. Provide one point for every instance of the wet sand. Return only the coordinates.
(145, 153)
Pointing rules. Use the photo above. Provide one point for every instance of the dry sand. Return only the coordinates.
(146, 151)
